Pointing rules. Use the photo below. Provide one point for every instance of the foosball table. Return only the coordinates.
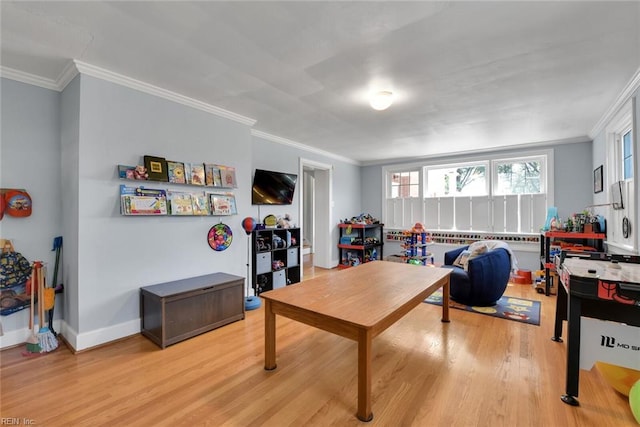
(600, 299)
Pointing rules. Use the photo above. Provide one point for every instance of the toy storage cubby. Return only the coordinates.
(276, 258)
(359, 243)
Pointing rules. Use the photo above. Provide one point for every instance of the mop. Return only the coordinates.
(47, 340)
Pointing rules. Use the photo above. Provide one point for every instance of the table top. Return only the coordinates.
(363, 295)
(602, 270)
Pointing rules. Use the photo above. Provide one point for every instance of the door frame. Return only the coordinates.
(323, 174)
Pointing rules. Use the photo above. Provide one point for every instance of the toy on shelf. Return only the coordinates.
(415, 246)
(361, 219)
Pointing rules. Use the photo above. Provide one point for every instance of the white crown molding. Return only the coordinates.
(31, 79)
(65, 77)
(141, 86)
(75, 67)
(473, 153)
(285, 141)
(624, 96)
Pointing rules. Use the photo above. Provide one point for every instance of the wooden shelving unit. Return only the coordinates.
(360, 243)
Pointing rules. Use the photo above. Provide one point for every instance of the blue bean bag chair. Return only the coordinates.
(485, 279)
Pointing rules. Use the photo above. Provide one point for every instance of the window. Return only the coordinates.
(457, 180)
(518, 176)
(490, 195)
(620, 168)
(627, 156)
(405, 184)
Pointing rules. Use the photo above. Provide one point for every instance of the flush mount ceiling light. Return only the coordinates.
(381, 100)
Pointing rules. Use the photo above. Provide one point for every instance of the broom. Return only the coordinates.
(33, 345)
(57, 288)
(48, 342)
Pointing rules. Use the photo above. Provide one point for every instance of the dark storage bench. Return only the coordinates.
(174, 311)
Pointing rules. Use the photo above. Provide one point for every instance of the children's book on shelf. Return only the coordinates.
(223, 204)
(126, 172)
(200, 203)
(197, 174)
(187, 173)
(156, 168)
(228, 176)
(176, 172)
(212, 175)
(180, 203)
(142, 201)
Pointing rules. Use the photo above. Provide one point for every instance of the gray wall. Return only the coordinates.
(119, 254)
(573, 183)
(345, 189)
(70, 181)
(64, 148)
(30, 159)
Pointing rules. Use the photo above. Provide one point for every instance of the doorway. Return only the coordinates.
(315, 211)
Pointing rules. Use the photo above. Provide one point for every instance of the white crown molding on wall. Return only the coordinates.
(141, 86)
(285, 141)
(30, 79)
(75, 67)
(625, 95)
(65, 77)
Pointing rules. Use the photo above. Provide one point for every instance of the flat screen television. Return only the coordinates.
(273, 188)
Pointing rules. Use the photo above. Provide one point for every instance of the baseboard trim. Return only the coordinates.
(95, 338)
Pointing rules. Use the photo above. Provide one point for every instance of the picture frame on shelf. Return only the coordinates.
(212, 175)
(223, 204)
(142, 201)
(175, 171)
(200, 203)
(197, 174)
(180, 203)
(597, 179)
(126, 172)
(228, 177)
(156, 168)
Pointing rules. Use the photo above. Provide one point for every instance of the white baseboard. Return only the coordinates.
(77, 341)
(19, 336)
(97, 337)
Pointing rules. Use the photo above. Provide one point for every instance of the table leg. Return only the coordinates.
(446, 294)
(561, 312)
(269, 337)
(547, 259)
(364, 375)
(573, 351)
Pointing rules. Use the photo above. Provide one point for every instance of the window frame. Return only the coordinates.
(544, 171)
(388, 171)
(545, 156)
(618, 126)
(458, 165)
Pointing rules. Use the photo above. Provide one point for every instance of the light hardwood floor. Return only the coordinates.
(474, 371)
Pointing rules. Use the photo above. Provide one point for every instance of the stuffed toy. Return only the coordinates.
(284, 222)
(140, 172)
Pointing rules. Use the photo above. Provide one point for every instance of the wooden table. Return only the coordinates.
(358, 303)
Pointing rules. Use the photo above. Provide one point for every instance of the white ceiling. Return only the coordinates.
(467, 75)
